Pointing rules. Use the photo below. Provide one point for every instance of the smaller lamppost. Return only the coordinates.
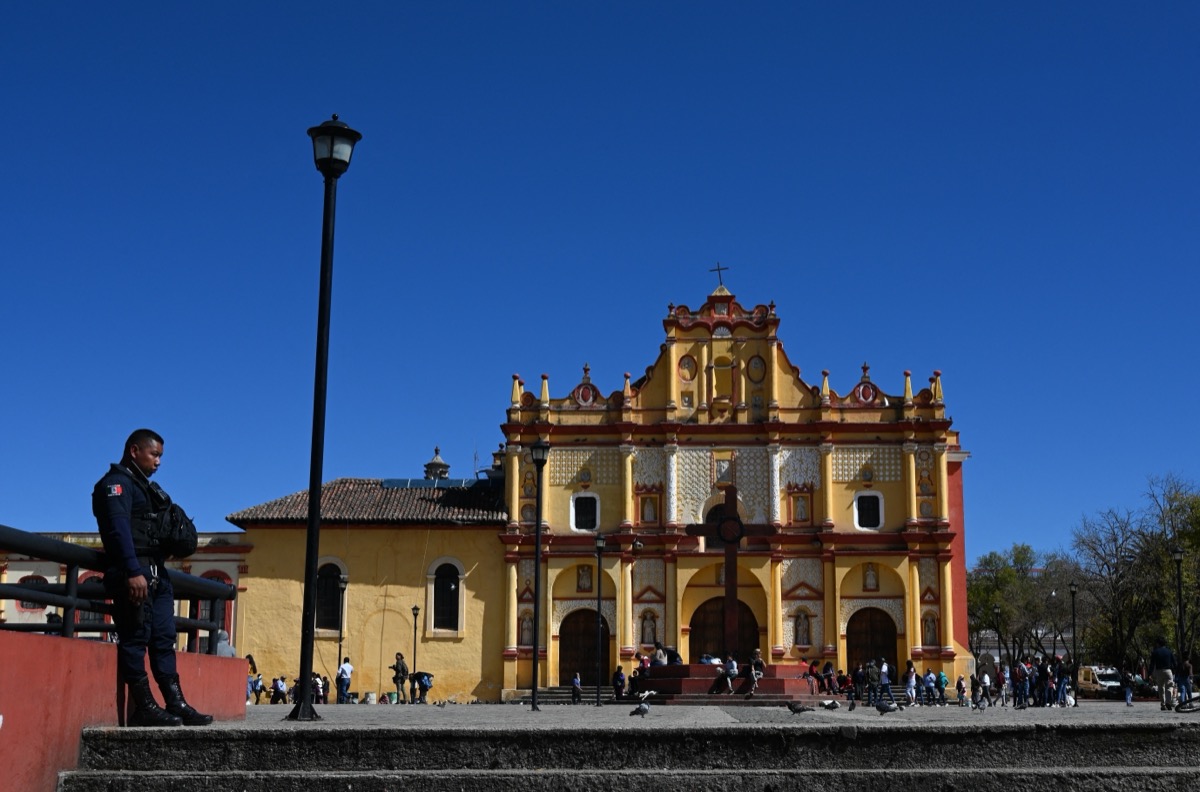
(999, 643)
(343, 581)
(1074, 647)
(540, 451)
(599, 619)
(1177, 554)
(416, 613)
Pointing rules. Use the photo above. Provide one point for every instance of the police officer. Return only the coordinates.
(137, 582)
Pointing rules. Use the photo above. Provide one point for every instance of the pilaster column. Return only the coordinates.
(673, 372)
(947, 609)
(772, 380)
(702, 382)
(832, 600)
(827, 484)
(910, 482)
(671, 609)
(913, 625)
(626, 616)
(943, 489)
(775, 608)
(627, 504)
(512, 473)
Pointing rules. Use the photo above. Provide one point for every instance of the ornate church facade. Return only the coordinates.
(856, 498)
(850, 504)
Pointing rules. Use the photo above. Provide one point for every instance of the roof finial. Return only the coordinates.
(719, 269)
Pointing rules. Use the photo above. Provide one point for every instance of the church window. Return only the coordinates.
(329, 597)
(585, 512)
(868, 511)
(445, 597)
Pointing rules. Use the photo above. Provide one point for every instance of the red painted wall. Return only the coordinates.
(53, 687)
(958, 549)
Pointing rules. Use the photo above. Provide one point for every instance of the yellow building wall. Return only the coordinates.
(389, 571)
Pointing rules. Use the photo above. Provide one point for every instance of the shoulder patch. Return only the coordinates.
(114, 490)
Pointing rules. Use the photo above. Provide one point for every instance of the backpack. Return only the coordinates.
(168, 527)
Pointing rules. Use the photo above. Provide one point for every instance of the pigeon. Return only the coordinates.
(441, 704)
(645, 694)
(884, 709)
(641, 709)
(796, 708)
(830, 704)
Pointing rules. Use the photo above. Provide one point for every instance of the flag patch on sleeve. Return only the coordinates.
(114, 490)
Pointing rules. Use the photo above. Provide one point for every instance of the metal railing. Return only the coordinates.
(90, 597)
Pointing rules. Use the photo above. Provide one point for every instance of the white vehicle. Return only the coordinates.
(1099, 679)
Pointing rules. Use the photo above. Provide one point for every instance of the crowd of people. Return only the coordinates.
(411, 688)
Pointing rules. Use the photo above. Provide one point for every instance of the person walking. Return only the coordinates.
(399, 677)
(1162, 670)
(126, 508)
(345, 670)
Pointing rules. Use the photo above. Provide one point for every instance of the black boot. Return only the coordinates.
(146, 710)
(176, 705)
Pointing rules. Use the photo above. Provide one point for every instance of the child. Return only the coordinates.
(961, 687)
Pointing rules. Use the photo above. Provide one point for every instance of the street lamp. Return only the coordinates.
(1074, 647)
(599, 621)
(999, 643)
(540, 451)
(333, 144)
(1177, 554)
(416, 613)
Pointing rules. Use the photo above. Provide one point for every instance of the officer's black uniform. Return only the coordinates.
(123, 509)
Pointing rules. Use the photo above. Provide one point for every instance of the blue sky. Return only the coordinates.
(1007, 192)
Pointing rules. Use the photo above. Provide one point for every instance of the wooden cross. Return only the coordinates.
(719, 269)
(729, 530)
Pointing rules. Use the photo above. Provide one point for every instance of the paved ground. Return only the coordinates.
(499, 717)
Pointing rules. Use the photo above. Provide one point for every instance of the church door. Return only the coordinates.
(708, 632)
(577, 648)
(870, 635)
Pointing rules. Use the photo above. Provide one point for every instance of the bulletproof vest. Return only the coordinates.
(144, 516)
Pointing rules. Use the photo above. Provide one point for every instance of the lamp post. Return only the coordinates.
(1074, 647)
(540, 450)
(599, 619)
(999, 643)
(333, 144)
(416, 613)
(343, 581)
(1177, 554)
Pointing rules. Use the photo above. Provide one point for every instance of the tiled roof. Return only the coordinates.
(356, 500)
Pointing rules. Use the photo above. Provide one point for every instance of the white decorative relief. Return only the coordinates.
(892, 606)
(604, 465)
(649, 573)
(927, 572)
(801, 466)
(564, 608)
(807, 571)
(885, 461)
(753, 482)
(694, 483)
(649, 467)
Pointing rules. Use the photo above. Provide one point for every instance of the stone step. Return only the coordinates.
(799, 742)
(991, 779)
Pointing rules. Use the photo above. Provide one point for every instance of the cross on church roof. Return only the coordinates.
(719, 269)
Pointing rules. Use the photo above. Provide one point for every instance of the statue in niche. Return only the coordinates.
(526, 630)
(929, 630)
(528, 484)
(720, 574)
(649, 511)
(649, 628)
(803, 630)
(870, 578)
(583, 578)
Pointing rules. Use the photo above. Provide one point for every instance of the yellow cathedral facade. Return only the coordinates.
(851, 503)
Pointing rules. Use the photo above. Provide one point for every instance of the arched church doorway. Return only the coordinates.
(577, 648)
(870, 635)
(707, 634)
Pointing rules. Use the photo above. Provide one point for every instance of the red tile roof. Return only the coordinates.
(356, 500)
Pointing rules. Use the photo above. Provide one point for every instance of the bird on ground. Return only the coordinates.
(830, 704)
(441, 704)
(796, 708)
(885, 708)
(641, 709)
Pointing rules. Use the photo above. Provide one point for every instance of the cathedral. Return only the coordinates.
(847, 539)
